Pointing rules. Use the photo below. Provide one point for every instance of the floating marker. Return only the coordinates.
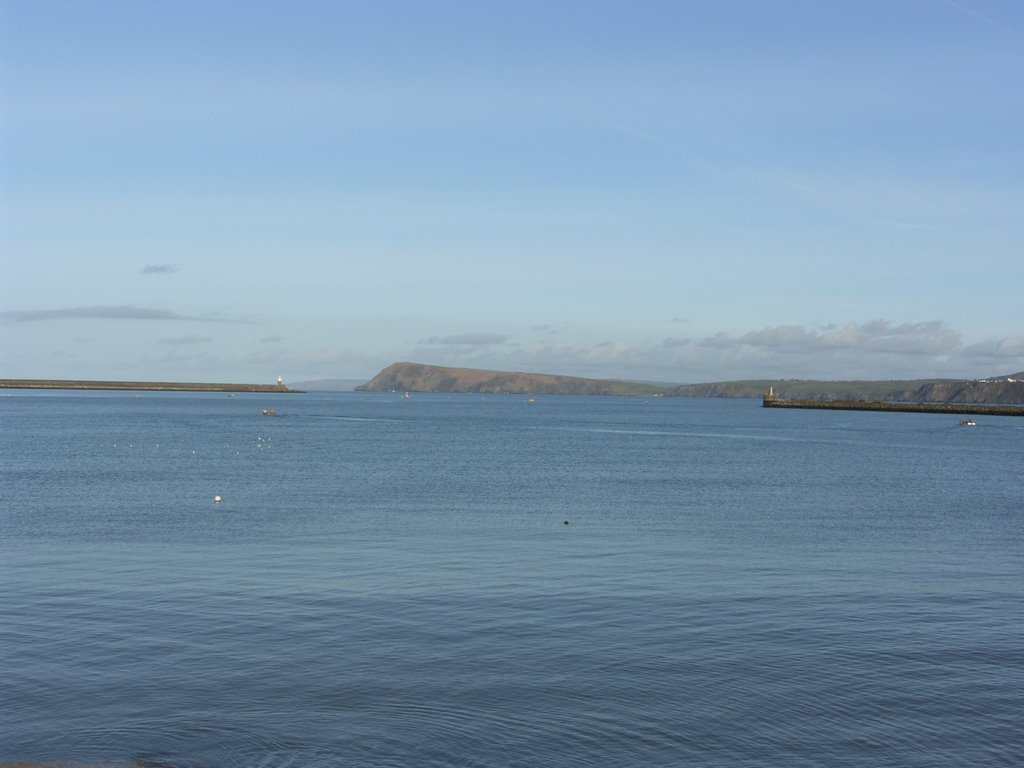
(216, 499)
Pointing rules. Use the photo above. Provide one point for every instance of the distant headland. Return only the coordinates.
(418, 377)
(144, 386)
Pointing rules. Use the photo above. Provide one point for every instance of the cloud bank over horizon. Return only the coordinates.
(875, 349)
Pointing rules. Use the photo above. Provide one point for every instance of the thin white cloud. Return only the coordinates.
(190, 339)
(469, 339)
(1010, 347)
(314, 363)
(720, 340)
(672, 342)
(878, 349)
(925, 338)
(160, 269)
(988, 20)
(127, 312)
(104, 313)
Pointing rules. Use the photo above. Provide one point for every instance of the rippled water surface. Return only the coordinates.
(391, 582)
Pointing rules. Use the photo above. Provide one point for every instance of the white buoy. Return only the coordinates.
(216, 499)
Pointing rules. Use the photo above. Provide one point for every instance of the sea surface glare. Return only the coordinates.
(390, 582)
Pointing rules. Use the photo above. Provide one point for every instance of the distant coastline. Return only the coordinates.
(418, 377)
(143, 386)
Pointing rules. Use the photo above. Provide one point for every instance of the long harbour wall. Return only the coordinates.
(963, 409)
(143, 386)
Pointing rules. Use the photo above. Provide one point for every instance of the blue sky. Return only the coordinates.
(679, 191)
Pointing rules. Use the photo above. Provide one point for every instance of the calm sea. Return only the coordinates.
(391, 582)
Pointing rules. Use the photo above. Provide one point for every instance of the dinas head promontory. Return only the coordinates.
(417, 377)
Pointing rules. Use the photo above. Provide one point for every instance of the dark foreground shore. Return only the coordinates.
(962, 409)
(144, 386)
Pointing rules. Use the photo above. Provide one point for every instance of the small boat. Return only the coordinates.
(968, 423)
(269, 412)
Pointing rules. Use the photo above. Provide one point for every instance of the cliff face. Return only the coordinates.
(805, 390)
(1009, 391)
(1006, 390)
(415, 377)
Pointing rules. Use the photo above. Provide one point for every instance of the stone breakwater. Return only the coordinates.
(143, 386)
(962, 409)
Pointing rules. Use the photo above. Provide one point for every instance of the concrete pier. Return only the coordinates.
(143, 386)
(965, 409)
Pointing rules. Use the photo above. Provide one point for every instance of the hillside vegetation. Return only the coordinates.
(415, 377)
(1004, 390)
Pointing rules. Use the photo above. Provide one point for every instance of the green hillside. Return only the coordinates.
(416, 377)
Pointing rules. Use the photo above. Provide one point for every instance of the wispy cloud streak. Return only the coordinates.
(874, 349)
(986, 19)
(190, 339)
(102, 313)
(468, 339)
(925, 338)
